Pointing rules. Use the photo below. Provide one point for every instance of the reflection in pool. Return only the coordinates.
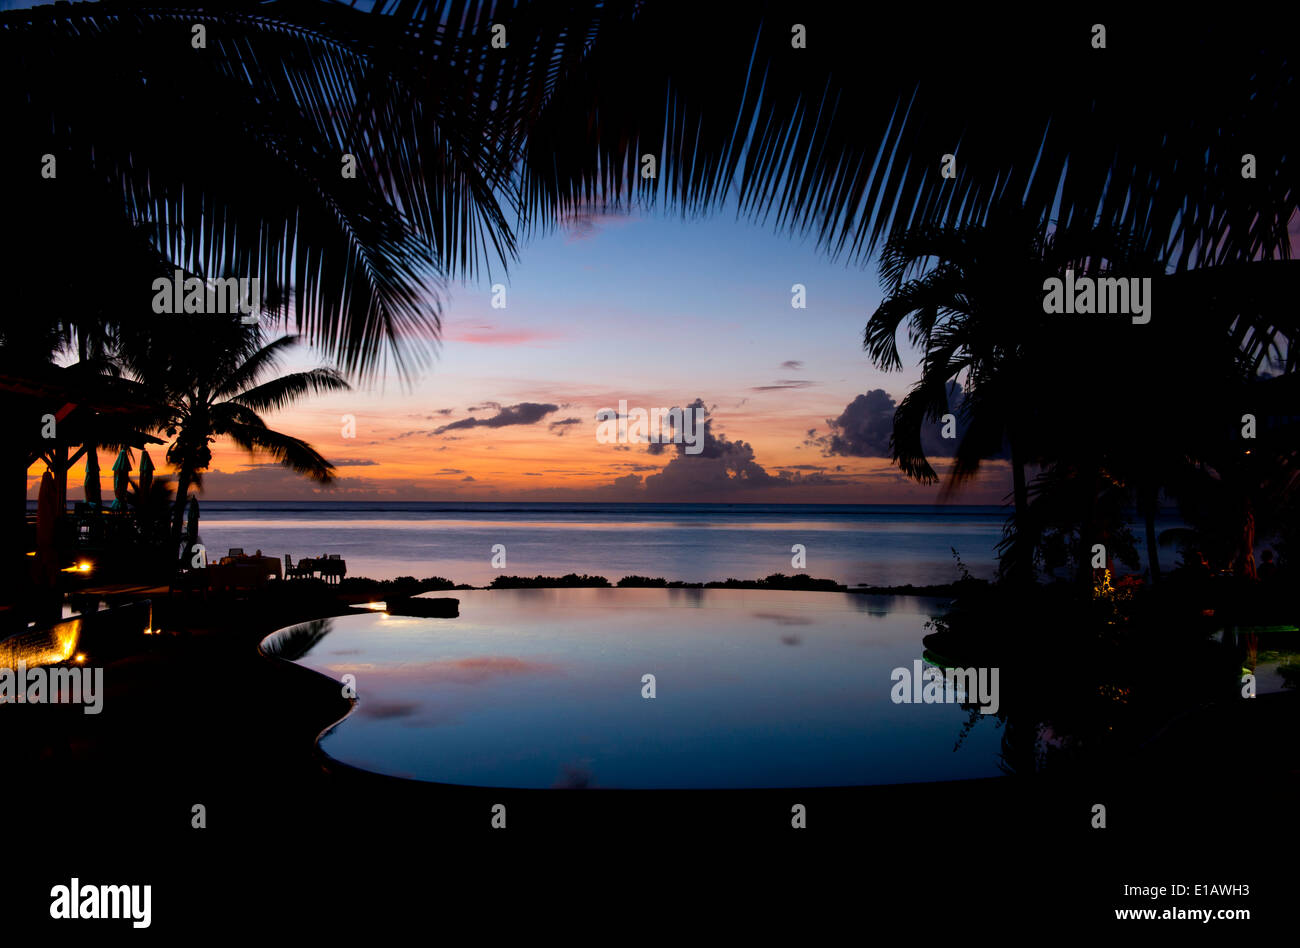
(543, 688)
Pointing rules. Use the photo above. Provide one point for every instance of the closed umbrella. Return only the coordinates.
(121, 477)
(93, 495)
(146, 477)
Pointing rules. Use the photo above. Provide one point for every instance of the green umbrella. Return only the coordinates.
(146, 477)
(93, 495)
(121, 476)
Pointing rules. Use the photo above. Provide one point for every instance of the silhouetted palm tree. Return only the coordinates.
(1105, 404)
(971, 300)
(215, 385)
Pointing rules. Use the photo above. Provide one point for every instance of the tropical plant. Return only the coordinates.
(1100, 403)
(971, 300)
(214, 382)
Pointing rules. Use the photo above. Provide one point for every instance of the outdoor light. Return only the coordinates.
(80, 657)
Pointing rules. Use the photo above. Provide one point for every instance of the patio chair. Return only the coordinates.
(291, 571)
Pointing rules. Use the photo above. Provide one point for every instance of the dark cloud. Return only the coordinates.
(865, 427)
(794, 365)
(721, 467)
(275, 482)
(780, 384)
(525, 413)
(699, 413)
(467, 477)
(354, 462)
(561, 426)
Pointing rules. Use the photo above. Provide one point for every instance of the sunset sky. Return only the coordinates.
(653, 309)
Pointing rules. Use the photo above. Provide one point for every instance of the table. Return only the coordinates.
(327, 567)
(271, 564)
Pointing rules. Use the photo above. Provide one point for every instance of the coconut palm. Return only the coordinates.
(1104, 404)
(971, 300)
(216, 385)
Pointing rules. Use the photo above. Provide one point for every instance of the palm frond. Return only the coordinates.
(845, 147)
(295, 454)
(265, 359)
(284, 390)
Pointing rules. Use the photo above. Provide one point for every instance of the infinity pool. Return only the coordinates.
(543, 688)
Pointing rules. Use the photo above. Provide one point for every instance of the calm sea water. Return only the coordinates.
(868, 544)
(544, 688)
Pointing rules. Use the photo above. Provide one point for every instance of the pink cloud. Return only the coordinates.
(485, 335)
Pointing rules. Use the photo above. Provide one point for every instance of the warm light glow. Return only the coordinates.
(81, 657)
(47, 647)
(32, 553)
(82, 567)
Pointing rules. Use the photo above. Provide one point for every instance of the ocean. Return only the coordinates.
(861, 544)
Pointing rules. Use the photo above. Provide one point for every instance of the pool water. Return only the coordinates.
(537, 688)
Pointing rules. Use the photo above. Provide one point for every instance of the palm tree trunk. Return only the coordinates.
(1019, 486)
(183, 479)
(1153, 554)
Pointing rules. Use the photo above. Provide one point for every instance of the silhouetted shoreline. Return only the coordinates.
(410, 586)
